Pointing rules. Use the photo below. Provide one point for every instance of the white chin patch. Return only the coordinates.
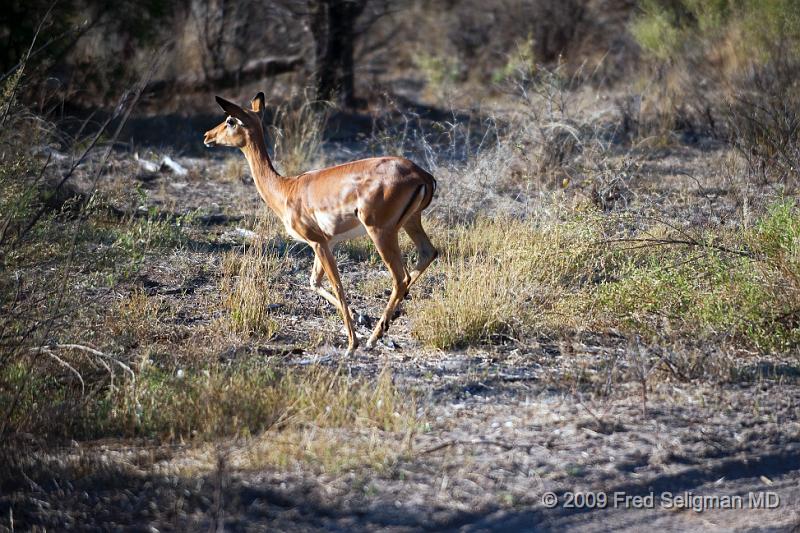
(209, 145)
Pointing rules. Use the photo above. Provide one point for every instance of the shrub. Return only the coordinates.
(520, 64)
(748, 31)
(655, 30)
(510, 278)
(765, 128)
(715, 62)
(439, 70)
(751, 298)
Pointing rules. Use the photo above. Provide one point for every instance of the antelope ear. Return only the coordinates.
(231, 108)
(258, 103)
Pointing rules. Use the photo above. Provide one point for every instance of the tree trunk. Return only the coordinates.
(333, 28)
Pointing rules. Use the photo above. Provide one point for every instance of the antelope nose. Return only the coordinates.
(208, 140)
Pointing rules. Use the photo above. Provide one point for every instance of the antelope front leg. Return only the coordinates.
(328, 262)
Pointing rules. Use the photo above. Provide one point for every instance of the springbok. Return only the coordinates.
(376, 196)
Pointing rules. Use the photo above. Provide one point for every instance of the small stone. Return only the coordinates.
(364, 320)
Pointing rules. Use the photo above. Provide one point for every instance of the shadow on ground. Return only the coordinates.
(93, 493)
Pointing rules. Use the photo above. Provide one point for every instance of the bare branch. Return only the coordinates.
(253, 70)
(60, 361)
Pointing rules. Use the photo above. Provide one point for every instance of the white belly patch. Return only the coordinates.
(349, 234)
(331, 224)
(326, 222)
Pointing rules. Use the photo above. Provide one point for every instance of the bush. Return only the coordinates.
(744, 31)
(509, 278)
(727, 68)
(750, 298)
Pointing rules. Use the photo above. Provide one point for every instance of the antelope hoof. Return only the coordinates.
(351, 348)
(371, 343)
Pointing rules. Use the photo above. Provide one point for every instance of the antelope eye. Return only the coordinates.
(231, 122)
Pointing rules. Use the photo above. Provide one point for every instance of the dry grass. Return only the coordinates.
(338, 423)
(503, 277)
(360, 249)
(250, 285)
(133, 319)
(376, 285)
(299, 126)
(235, 169)
(254, 396)
(318, 415)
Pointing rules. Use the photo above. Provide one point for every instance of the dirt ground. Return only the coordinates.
(499, 440)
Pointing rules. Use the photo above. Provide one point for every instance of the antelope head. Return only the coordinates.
(240, 126)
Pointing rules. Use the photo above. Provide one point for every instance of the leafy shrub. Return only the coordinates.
(713, 293)
(752, 29)
(440, 71)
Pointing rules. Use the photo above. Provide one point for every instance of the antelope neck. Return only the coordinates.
(269, 183)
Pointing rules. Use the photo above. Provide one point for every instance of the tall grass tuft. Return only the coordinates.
(251, 287)
(505, 278)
